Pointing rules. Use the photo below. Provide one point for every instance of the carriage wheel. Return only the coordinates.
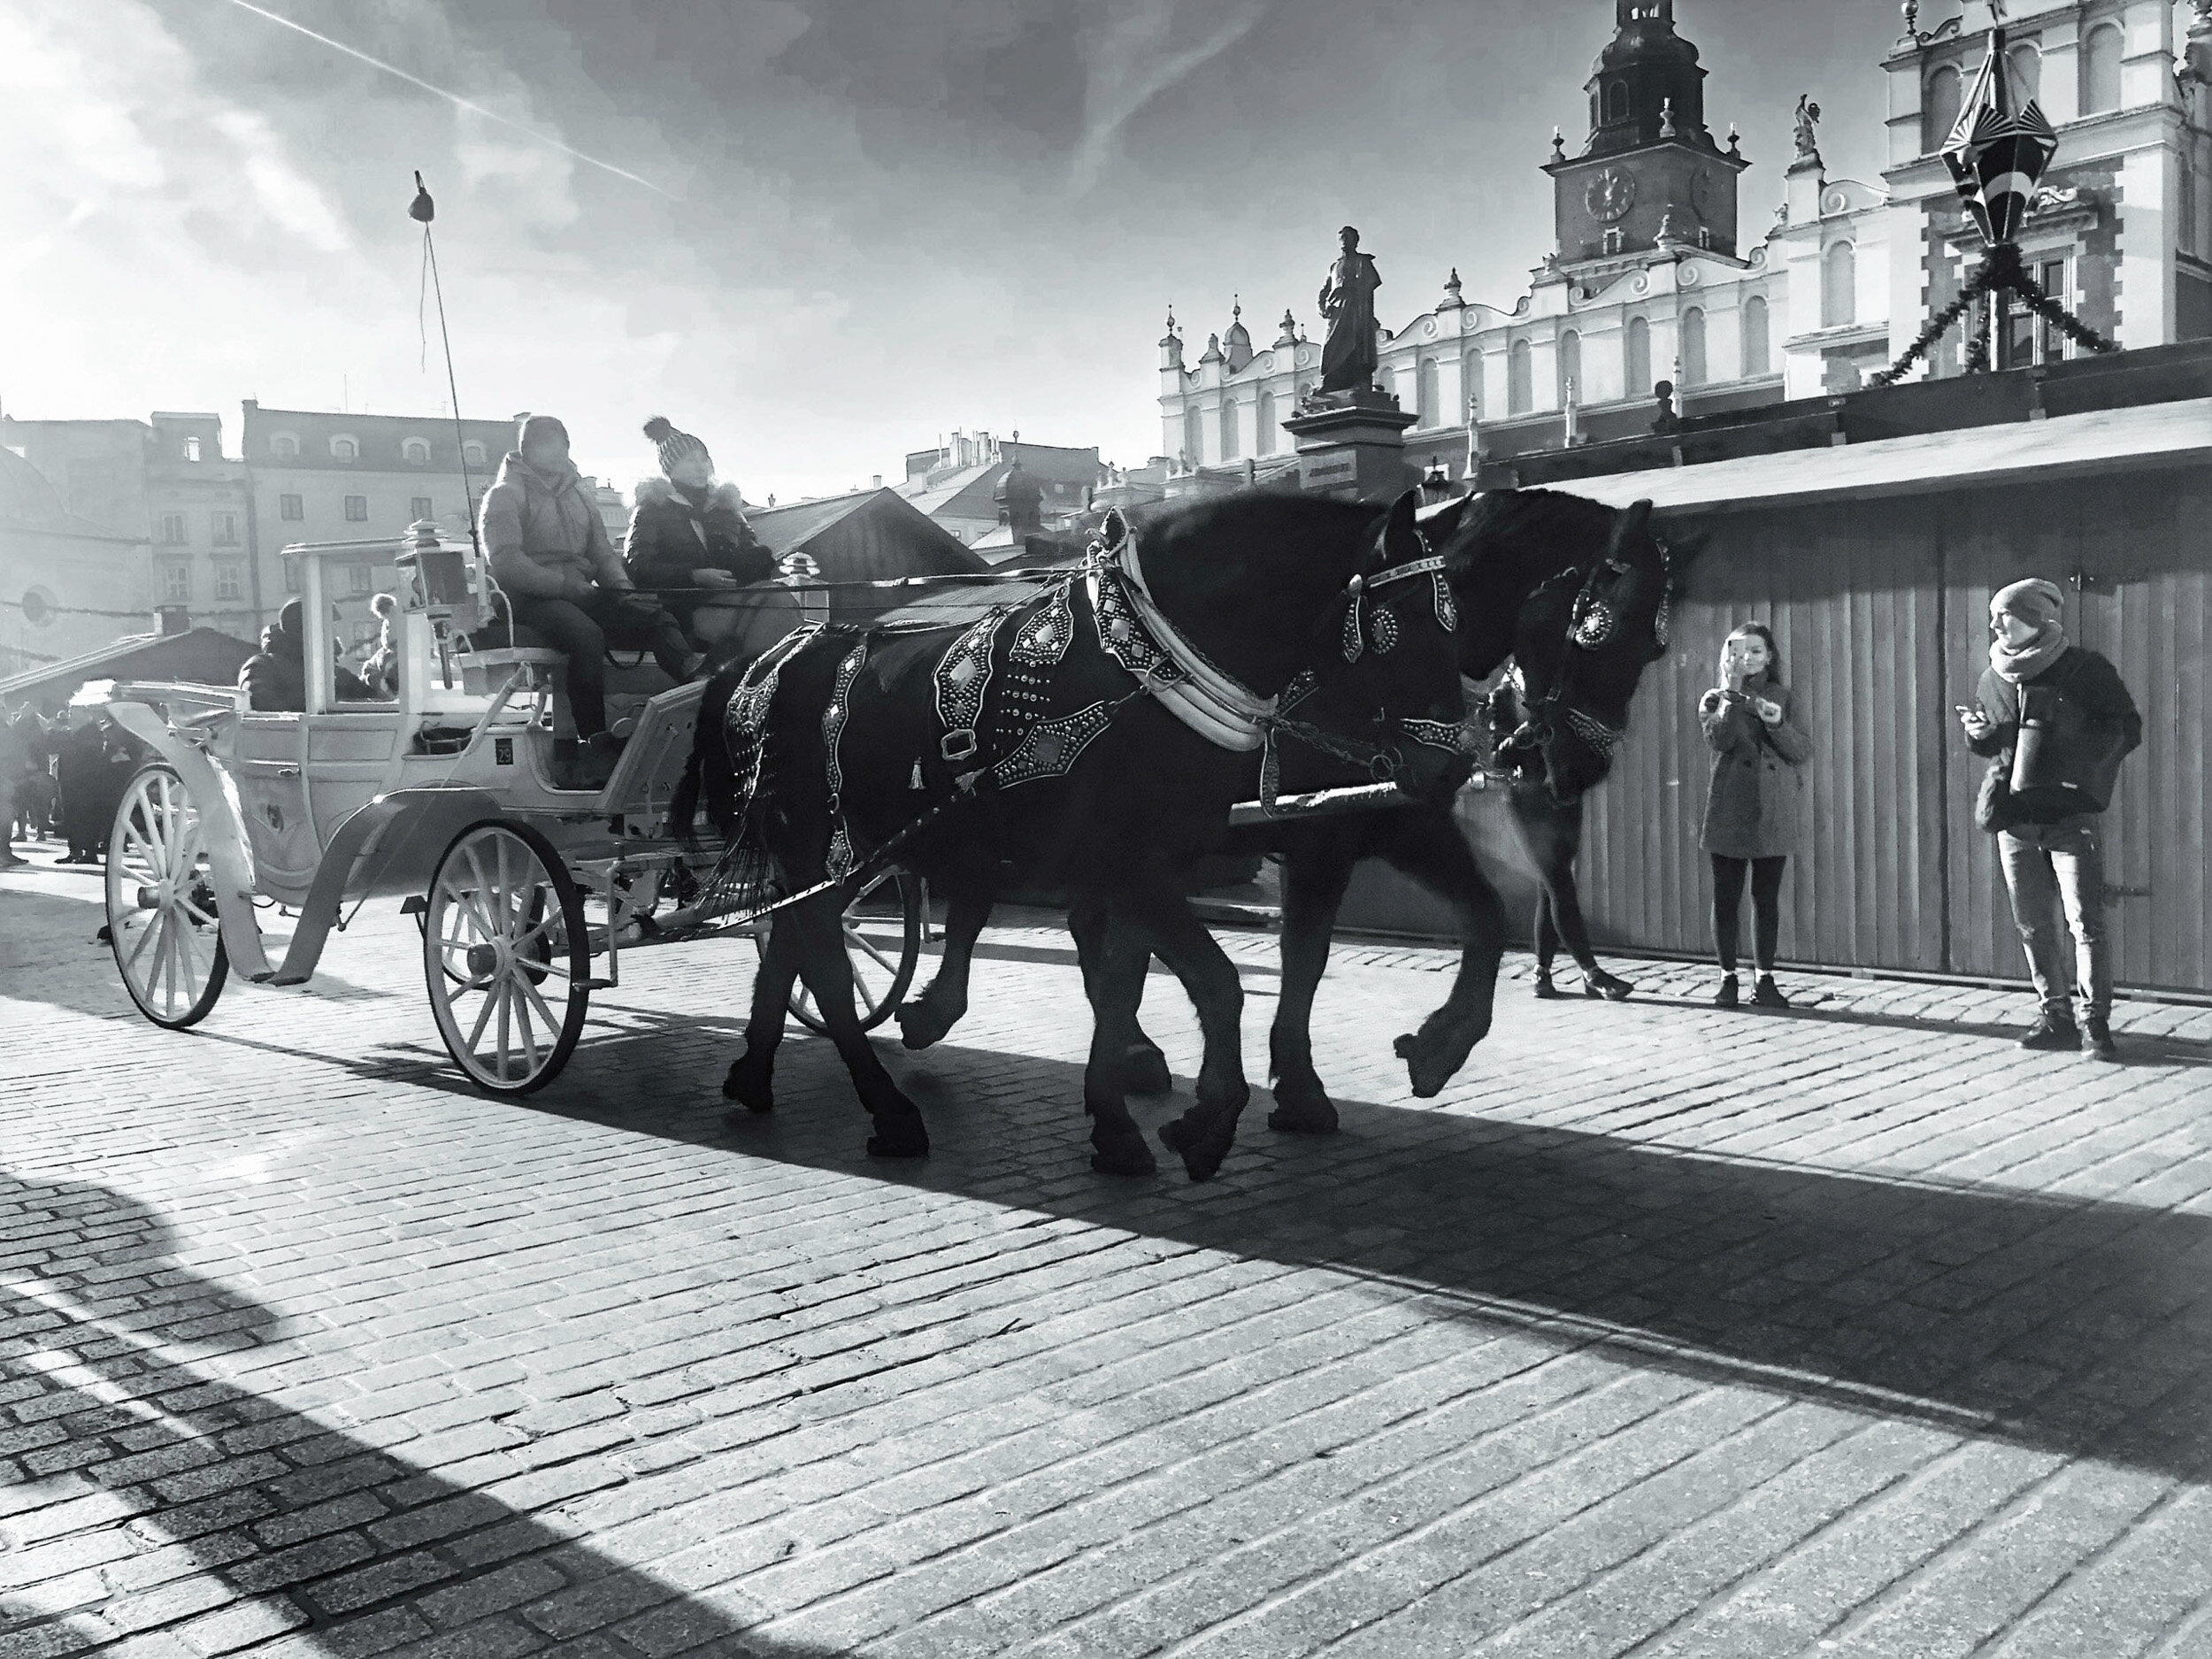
(161, 902)
(880, 981)
(506, 956)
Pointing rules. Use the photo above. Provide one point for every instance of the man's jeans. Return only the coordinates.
(2050, 865)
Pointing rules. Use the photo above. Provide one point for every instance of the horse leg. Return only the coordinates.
(818, 921)
(751, 1081)
(1204, 1134)
(1316, 873)
(1561, 845)
(1143, 1067)
(925, 1018)
(1428, 847)
(1115, 961)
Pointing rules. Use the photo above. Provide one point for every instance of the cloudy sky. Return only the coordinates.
(819, 233)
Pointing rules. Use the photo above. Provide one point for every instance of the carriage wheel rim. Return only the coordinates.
(497, 930)
(166, 941)
(873, 1004)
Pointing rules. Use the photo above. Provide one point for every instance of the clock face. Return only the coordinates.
(1611, 194)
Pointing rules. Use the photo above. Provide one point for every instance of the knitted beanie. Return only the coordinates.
(2035, 601)
(674, 446)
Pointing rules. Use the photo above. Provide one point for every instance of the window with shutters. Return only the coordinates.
(176, 582)
(172, 531)
(415, 452)
(230, 579)
(345, 449)
(418, 509)
(356, 510)
(223, 529)
(291, 507)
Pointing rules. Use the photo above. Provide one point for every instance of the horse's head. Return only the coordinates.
(1386, 672)
(1580, 596)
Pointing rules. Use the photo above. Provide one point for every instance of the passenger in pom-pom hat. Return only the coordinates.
(688, 531)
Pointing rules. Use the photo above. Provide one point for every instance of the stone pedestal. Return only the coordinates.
(1354, 448)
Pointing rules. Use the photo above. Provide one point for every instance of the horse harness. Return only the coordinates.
(1591, 623)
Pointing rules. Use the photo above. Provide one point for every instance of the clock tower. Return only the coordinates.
(1649, 175)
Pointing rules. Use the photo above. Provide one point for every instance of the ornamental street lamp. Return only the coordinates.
(1997, 157)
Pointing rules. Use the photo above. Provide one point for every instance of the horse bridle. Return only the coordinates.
(1591, 623)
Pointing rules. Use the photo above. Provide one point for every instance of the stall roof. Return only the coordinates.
(203, 656)
(2106, 441)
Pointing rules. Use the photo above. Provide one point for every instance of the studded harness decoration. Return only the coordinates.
(1592, 622)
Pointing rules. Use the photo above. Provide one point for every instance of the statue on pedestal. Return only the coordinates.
(1807, 117)
(1347, 301)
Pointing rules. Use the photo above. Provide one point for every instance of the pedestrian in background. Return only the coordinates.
(1751, 807)
(2054, 720)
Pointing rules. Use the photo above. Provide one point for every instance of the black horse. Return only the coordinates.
(1578, 595)
(1084, 769)
(1550, 832)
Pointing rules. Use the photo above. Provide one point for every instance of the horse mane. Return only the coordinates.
(1542, 518)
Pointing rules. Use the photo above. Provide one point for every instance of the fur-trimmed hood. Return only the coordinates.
(659, 492)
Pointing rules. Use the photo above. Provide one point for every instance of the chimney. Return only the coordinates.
(171, 620)
(875, 480)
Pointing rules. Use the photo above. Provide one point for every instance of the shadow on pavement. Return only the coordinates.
(134, 1483)
(2079, 1326)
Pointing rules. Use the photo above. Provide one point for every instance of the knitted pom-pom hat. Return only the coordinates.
(674, 446)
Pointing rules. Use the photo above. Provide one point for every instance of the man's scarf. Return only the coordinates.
(2015, 665)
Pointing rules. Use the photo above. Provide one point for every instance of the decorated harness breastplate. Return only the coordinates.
(1015, 699)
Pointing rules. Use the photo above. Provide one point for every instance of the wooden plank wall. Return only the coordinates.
(1881, 612)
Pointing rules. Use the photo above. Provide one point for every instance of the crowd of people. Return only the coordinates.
(61, 780)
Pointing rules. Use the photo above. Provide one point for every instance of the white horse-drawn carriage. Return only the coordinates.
(447, 798)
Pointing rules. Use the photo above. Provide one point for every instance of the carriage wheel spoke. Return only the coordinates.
(139, 949)
(853, 937)
(500, 992)
(483, 1017)
(522, 1016)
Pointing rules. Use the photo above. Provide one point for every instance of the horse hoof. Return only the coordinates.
(1432, 1060)
(1122, 1155)
(754, 1093)
(1144, 1071)
(899, 1137)
(1303, 1114)
(920, 1025)
(1200, 1145)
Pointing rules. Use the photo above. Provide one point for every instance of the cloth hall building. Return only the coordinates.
(1654, 277)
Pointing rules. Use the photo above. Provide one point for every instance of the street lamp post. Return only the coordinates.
(1997, 157)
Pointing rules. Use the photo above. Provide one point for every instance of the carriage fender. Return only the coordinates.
(374, 836)
(230, 859)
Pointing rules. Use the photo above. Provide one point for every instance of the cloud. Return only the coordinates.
(1130, 57)
(285, 194)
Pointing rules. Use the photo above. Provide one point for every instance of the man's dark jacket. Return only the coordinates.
(2088, 679)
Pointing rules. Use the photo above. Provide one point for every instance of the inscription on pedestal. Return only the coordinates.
(1327, 472)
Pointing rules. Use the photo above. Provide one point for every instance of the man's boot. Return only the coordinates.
(2096, 1038)
(2050, 1032)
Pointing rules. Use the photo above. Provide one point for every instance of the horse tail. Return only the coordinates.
(709, 775)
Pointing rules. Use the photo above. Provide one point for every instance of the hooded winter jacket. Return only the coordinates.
(545, 535)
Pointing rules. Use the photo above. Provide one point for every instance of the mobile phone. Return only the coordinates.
(1963, 707)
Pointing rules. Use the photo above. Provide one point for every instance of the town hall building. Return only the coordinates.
(1657, 276)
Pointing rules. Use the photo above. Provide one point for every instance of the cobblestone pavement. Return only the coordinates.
(1665, 1331)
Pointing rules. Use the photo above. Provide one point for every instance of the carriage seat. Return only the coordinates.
(632, 679)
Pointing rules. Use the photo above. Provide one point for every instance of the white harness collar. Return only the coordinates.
(1214, 704)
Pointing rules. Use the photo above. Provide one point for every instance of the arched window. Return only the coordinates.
(1755, 336)
(1570, 380)
(1839, 285)
(1267, 423)
(416, 452)
(1693, 347)
(1194, 438)
(1616, 102)
(472, 452)
(1427, 395)
(1229, 449)
(344, 449)
(2101, 69)
(2025, 62)
(1520, 391)
(1939, 107)
(283, 445)
(1639, 366)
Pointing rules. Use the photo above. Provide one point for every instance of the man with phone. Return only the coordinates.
(2055, 720)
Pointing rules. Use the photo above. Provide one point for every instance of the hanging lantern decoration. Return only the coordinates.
(1997, 155)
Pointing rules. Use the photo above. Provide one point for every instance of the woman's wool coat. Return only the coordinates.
(1752, 805)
